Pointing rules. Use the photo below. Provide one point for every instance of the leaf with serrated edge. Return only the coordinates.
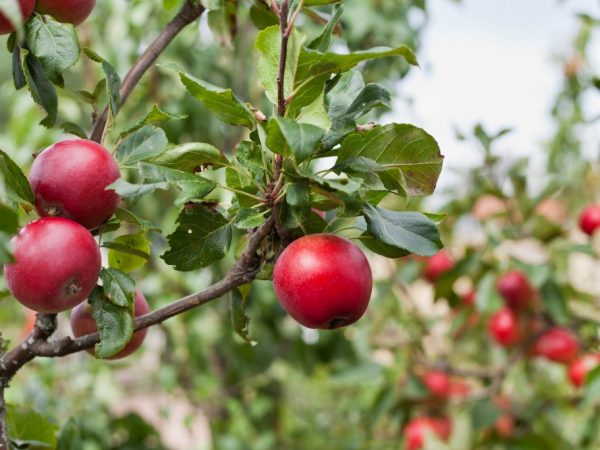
(15, 183)
(115, 323)
(146, 143)
(404, 147)
(118, 286)
(410, 231)
(202, 238)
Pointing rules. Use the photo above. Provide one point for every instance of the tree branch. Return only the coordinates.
(37, 344)
(281, 108)
(186, 15)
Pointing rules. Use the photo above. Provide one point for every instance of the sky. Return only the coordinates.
(493, 62)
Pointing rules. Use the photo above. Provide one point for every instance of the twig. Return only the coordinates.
(187, 14)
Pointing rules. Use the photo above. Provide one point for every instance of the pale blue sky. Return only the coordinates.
(494, 62)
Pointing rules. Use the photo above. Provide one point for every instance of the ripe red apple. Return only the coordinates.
(505, 426)
(68, 11)
(69, 180)
(514, 287)
(579, 368)
(438, 383)
(558, 345)
(323, 281)
(416, 430)
(83, 323)
(57, 264)
(437, 265)
(459, 388)
(504, 327)
(589, 219)
(469, 299)
(26, 9)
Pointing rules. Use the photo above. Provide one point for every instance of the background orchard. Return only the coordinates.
(208, 379)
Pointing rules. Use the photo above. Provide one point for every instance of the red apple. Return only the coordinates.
(505, 426)
(83, 323)
(504, 327)
(323, 281)
(579, 368)
(438, 383)
(68, 11)
(469, 299)
(57, 264)
(69, 180)
(558, 345)
(514, 287)
(437, 265)
(589, 219)
(416, 430)
(459, 388)
(26, 9)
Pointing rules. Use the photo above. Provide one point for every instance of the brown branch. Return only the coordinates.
(283, 233)
(187, 14)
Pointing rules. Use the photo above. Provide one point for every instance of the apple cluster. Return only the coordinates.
(57, 259)
(66, 11)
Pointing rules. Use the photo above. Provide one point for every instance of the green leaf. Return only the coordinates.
(409, 231)
(15, 183)
(42, 90)
(262, 16)
(323, 42)
(74, 129)
(202, 238)
(268, 46)
(54, 44)
(70, 436)
(132, 252)
(237, 309)
(193, 187)
(154, 115)
(146, 143)
(115, 323)
(221, 102)
(405, 148)
(127, 216)
(9, 219)
(249, 218)
(28, 426)
(555, 302)
(286, 136)
(17, 67)
(315, 114)
(191, 157)
(5, 254)
(348, 101)
(134, 192)
(118, 287)
(112, 85)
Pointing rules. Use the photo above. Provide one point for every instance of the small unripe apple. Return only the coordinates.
(515, 289)
(416, 431)
(437, 265)
(83, 323)
(504, 327)
(589, 220)
(323, 281)
(438, 383)
(57, 264)
(69, 180)
(558, 345)
(26, 9)
(68, 11)
(579, 368)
